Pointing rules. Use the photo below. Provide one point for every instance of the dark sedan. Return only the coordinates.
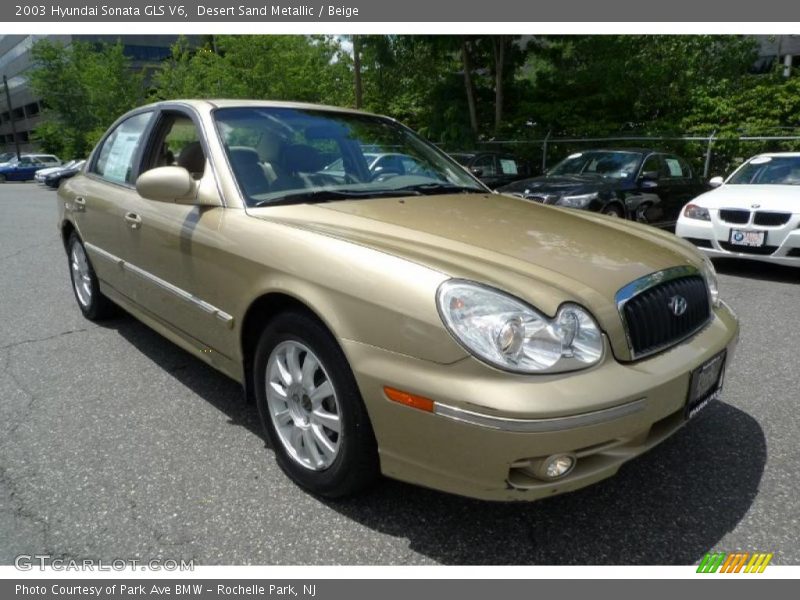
(494, 169)
(645, 185)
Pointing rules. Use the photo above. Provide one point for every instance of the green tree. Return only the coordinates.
(85, 88)
(275, 67)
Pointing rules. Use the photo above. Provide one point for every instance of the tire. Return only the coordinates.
(304, 391)
(2, 178)
(93, 304)
(640, 215)
(613, 210)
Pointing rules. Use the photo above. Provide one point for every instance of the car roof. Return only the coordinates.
(213, 103)
(778, 154)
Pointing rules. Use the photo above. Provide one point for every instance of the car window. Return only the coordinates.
(118, 151)
(769, 170)
(509, 166)
(176, 143)
(282, 154)
(652, 164)
(612, 164)
(676, 168)
(486, 165)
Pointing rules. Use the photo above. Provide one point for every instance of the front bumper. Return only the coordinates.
(782, 243)
(605, 416)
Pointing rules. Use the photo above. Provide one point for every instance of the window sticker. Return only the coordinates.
(674, 167)
(120, 156)
(508, 166)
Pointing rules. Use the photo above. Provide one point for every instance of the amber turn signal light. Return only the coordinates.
(411, 400)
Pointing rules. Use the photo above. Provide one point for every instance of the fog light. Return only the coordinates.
(558, 465)
(553, 467)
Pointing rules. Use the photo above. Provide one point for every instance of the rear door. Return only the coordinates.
(679, 186)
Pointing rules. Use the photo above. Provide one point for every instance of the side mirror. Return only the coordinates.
(716, 181)
(477, 171)
(649, 176)
(167, 184)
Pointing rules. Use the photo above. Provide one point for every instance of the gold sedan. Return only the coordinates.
(394, 316)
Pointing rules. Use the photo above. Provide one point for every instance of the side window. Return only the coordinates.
(115, 158)
(486, 164)
(652, 164)
(675, 167)
(509, 166)
(687, 170)
(176, 144)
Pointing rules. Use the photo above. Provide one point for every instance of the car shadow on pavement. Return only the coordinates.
(753, 269)
(220, 391)
(669, 506)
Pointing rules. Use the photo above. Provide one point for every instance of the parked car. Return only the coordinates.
(382, 164)
(494, 169)
(55, 178)
(755, 214)
(645, 185)
(414, 325)
(23, 168)
(41, 174)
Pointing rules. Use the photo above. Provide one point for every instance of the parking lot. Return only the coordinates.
(114, 443)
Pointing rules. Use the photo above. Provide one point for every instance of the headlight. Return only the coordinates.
(710, 274)
(692, 211)
(579, 201)
(507, 333)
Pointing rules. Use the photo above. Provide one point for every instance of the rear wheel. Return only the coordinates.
(93, 304)
(311, 408)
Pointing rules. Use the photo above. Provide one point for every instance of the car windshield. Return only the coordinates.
(283, 155)
(768, 170)
(604, 163)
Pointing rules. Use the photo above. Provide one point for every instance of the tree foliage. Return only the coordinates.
(84, 88)
(456, 90)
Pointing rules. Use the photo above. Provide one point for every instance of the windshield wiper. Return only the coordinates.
(319, 196)
(442, 188)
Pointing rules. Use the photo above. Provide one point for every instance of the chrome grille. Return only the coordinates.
(651, 324)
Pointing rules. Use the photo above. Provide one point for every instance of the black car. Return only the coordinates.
(645, 185)
(494, 169)
(54, 179)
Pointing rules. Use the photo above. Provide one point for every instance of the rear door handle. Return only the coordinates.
(134, 220)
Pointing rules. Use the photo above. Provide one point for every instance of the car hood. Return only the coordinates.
(544, 255)
(558, 186)
(783, 198)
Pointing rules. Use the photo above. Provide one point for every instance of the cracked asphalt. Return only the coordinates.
(114, 443)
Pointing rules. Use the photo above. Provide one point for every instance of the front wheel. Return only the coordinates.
(613, 210)
(311, 408)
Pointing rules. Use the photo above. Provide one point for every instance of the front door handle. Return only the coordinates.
(79, 204)
(134, 220)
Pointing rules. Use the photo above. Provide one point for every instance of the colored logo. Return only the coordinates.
(678, 305)
(737, 562)
(738, 236)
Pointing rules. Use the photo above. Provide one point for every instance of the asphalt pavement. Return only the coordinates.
(114, 443)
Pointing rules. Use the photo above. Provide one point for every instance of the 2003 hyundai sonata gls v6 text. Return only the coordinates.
(411, 324)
